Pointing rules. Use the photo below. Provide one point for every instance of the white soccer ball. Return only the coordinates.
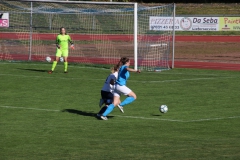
(48, 59)
(61, 59)
(163, 109)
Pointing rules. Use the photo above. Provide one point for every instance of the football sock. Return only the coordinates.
(109, 110)
(54, 65)
(126, 101)
(65, 66)
(102, 110)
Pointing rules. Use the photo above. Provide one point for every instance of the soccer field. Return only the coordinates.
(52, 116)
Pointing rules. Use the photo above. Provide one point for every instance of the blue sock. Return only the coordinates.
(126, 101)
(109, 110)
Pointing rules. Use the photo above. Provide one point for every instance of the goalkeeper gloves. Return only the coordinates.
(72, 46)
(58, 46)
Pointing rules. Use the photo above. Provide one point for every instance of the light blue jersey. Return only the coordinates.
(123, 75)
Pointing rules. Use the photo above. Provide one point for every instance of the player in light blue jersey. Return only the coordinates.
(121, 88)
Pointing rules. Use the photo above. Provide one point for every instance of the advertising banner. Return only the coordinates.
(4, 19)
(184, 23)
(229, 24)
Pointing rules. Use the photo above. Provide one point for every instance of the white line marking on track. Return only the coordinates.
(133, 117)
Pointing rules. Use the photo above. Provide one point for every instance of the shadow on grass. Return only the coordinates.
(34, 70)
(83, 113)
(156, 115)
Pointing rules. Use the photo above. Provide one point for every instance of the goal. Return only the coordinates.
(102, 32)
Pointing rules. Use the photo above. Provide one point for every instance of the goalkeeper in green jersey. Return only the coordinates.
(62, 41)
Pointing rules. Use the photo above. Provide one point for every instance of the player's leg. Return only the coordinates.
(58, 55)
(131, 96)
(110, 108)
(101, 101)
(65, 56)
(108, 99)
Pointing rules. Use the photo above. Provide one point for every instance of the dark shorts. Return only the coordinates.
(107, 97)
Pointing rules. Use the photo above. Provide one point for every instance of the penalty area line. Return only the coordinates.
(145, 118)
(37, 109)
(52, 110)
(132, 117)
(134, 81)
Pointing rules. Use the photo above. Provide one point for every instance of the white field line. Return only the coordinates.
(59, 62)
(37, 109)
(208, 66)
(109, 69)
(177, 80)
(70, 78)
(133, 117)
(89, 79)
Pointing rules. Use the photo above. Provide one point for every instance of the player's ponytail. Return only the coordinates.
(115, 68)
(119, 63)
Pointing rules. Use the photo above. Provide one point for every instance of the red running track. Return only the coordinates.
(177, 64)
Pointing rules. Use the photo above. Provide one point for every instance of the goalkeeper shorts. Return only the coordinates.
(62, 53)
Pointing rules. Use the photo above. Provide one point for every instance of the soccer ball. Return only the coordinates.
(61, 59)
(163, 109)
(48, 59)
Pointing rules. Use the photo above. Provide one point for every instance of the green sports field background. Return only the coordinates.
(52, 116)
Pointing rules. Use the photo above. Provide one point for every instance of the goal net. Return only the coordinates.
(102, 32)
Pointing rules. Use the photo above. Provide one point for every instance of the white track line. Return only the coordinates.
(133, 117)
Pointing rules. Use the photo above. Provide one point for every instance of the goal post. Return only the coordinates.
(135, 37)
(102, 32)
(156, 32)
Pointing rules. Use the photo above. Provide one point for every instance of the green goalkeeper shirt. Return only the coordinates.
(62, 41)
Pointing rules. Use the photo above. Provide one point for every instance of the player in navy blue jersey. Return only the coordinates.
(107, 90)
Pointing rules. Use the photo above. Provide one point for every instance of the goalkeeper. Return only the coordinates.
(62, 41)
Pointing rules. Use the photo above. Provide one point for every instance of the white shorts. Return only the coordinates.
(121, 90)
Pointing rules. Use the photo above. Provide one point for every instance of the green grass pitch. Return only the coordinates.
(46, 116)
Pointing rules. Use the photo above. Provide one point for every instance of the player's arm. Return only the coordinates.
(133, 70)
(71, 42)
(113, 80)
(57, 43)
